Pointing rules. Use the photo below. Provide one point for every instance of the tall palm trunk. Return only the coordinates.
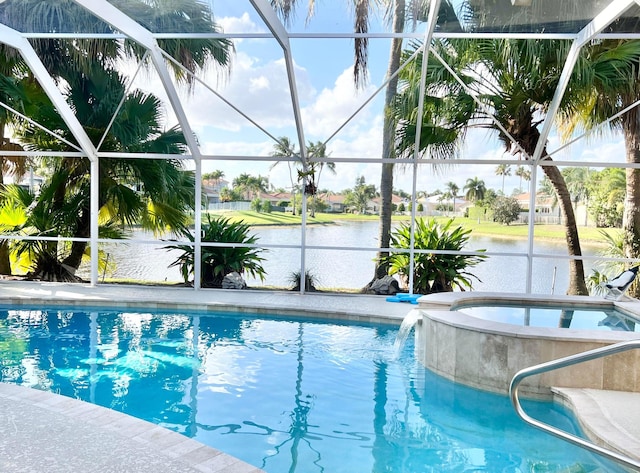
(5, 262)
(631, 215)
(577, 284)
(527, 135)
(386, 178)
(74, 258)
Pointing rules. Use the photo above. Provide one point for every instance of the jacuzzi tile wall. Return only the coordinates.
(486, 355)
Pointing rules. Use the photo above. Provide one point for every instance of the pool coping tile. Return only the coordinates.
(150, 439)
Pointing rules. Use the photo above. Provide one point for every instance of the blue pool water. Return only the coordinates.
(287, 395)
(569, 317)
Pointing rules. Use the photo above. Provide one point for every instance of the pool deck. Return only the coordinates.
(41, 431)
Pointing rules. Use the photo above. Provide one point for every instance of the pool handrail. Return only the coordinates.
(562, 363)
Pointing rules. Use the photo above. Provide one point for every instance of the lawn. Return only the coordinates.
(590, 234)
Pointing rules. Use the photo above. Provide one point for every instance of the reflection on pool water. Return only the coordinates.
(537, 316)
(287, 395)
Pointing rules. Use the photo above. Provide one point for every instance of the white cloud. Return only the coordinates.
(259, 83)
(236, 148)
(333, 106)
(259, 90)
(606, 149)
(242, 24)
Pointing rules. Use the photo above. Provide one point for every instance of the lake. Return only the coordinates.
(349, 267)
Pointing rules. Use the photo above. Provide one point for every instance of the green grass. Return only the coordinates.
(550, 232)
(274, 218)
(485, 228)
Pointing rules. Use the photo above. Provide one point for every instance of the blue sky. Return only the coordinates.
(257, 85)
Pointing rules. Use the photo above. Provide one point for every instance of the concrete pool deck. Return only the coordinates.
(40, 431)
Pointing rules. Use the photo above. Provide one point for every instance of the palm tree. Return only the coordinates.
(513, 81)
(259, 184)
(215, 175)
(452, 191)
(66, 58)
(577, 179)
(160, 15)
(13, 94)
(360, 196)
(14, 202)
(603, 73)
(475, 189)
(607, 191)
(229, 195)
(400, 12)
(523, 173)
(317, 150)
(503, 170)
(243, 184)
(165, 192)
(250, 185)
(546, 188)
(286, 148)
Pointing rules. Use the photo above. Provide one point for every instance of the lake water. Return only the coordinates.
(350, 267)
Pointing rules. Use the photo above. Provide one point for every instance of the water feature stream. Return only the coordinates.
(408, 323)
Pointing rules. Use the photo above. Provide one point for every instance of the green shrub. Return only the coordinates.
(433, 272)
(310, 281)
(265, 206)
(256, 205)
(218, 261)
(505, 210)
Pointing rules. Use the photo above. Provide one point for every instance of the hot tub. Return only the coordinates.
(473, 347)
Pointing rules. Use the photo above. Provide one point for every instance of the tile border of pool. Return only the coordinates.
(332, 306)
(122, 435)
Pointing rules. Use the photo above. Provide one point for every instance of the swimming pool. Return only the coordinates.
(285, 394)
(576, 317)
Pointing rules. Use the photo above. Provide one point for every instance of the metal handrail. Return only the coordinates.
(561, 363)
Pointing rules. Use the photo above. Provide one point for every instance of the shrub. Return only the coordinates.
(310, 281)
(433, 272)
(444, 207)
(256, 205)
(505, 209)
(218, 261)
(401, 207)
(265, 206)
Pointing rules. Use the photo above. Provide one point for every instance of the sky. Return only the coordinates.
(257, 85)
